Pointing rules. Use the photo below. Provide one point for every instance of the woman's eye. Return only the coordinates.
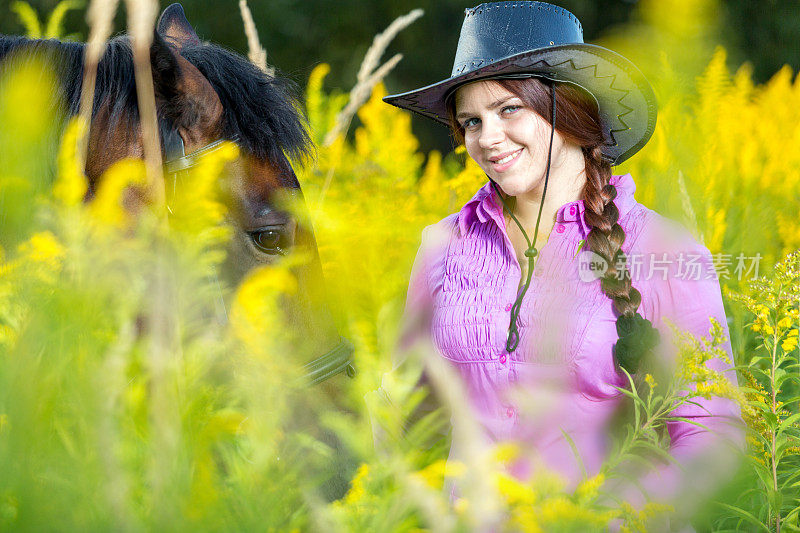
(469, 123)
(270, 241)
(509, 109)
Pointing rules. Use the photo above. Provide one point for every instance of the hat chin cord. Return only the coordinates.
(513, 333)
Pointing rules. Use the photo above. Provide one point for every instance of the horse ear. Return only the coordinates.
(165, 67)
(182, 93)
(175, 28)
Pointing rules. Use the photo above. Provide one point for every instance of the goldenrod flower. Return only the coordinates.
(70, 186)
(44, 248)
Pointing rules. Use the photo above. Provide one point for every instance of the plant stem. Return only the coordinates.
(773, 458)
(629, 443)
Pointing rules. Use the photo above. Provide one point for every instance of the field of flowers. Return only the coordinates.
(124, 405)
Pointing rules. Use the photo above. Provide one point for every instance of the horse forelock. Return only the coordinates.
(261, 111)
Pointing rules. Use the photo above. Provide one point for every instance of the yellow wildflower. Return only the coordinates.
(790, 342)
(514, 491)
(433, 474)
(43, 247)
(70, 185)
(506, 452)
(455, 469)
(357, 491)
(590, 487)
(644, 520)
(252, 305)
(195, 204)
(107, 205)
(650, 380)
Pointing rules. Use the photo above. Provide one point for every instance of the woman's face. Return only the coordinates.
(507, 139)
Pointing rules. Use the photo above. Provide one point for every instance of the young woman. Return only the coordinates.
(553, 278)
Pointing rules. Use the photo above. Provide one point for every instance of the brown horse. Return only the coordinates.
(206, 95)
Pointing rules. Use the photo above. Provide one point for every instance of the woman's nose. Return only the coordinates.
(491, 134)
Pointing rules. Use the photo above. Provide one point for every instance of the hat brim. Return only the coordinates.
(626, 101)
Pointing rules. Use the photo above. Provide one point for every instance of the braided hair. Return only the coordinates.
(579, 122)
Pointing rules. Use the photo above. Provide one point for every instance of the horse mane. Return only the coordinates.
(64, 58)
(262, 112)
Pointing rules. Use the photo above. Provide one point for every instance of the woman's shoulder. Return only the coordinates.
(650, 232)
(672, 269)
(440, 232)
(458, 224)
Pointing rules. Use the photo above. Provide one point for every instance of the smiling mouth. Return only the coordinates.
(507, 159)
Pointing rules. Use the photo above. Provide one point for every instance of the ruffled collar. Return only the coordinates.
(485, 206)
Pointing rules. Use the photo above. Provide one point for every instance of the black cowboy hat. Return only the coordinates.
(521, 39)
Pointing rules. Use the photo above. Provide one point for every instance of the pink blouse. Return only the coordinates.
(561, 378)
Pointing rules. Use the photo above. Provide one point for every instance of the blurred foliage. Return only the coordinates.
(123, 403)
(299, 35)
(53, 29)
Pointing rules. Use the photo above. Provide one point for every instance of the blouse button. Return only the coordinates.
(508, 307)
(510, 412)
(572, 210)
(560, 228)
(502, 358)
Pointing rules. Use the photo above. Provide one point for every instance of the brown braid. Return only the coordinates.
(606, 236)
(579, 123)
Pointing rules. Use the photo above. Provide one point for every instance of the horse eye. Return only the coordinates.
(270, 241)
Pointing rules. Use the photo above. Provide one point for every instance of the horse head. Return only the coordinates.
(205, 95)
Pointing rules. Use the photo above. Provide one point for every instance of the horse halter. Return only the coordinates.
(176, 167)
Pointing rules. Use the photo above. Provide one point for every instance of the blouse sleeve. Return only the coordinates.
(425, 280)
(415, 325)
(683, 290)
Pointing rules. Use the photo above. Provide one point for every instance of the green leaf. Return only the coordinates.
(792, 476)
(630, 394)
(686, 420)
(787, 424)
(780, 446)
(56, 19)
(28, 17)
(771, 419)
(764, 408)
(780, 377)
(791, 399)
(793, 514)
(635, 458)
(749, 390)
(764, 441)
(764, 474)
(575, 453)
(692, 402)
(746, 516)
(775, 498)
(752, 368)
